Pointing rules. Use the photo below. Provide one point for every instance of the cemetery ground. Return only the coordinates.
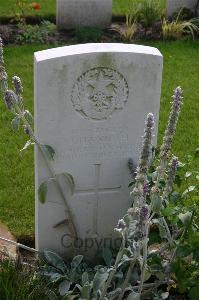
(17, 179)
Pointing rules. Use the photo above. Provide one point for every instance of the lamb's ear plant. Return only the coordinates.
(142, 268)
(13, 100)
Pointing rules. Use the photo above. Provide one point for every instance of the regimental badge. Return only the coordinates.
(99, 92)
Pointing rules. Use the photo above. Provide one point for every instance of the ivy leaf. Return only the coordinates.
(64, 287)
(15, 123)
(42, 192)
(133, 296)
(49, 151)
(28, 116)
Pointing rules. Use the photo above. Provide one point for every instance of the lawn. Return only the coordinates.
(48, 7)
(181, 65)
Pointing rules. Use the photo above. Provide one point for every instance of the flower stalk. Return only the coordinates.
(14, 103)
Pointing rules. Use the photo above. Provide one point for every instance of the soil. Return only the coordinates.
(6, 247)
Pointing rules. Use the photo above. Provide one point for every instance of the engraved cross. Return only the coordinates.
(96, 192)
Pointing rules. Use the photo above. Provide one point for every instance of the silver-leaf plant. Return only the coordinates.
(14, 102)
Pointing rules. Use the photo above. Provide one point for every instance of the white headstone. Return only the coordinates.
(82, 13)
(91, 102)
(174, 6)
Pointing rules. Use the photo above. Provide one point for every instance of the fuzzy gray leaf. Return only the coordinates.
(76, 261)
(27, 144)
(99, 279)
(28, 116)
(133, 296)
(49, 151)
(69, 178)
(188, 190)
(15, 123)
(64, 287)
(185, 218)
(85, 291)
(85, 278)
(42, 192)
(107, 256)
(55, 260)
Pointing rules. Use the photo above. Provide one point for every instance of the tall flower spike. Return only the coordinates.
(141, 171)
(3, 74)
(10, 99)
(18, 85)
(146, 146)
(170, 179)
(172, 122)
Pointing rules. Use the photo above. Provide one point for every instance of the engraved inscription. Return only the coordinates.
(98, 143)
(99, 92)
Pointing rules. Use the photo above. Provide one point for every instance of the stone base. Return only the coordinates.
(82, 13)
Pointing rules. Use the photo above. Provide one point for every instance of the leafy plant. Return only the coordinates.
(22, 118)
(146, 11)
(38, 34)
(128, 31)
(88, 34)
(21, 281)
(149, 12)
(178, 28)
(142, 269)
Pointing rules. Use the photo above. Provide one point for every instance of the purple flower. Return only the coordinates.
(172, 122)
(146, 188)
(144, 212)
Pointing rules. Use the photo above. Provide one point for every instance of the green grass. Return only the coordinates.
(181, 64)
(48, 7)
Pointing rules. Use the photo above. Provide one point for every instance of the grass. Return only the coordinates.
(181, 66)
(48, 7)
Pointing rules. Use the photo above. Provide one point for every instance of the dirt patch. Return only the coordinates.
(5, 246)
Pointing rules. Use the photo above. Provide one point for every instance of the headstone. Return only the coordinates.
(91, 102)
(174, 6)
(83, 13)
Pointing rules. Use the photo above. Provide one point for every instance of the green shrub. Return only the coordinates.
(37, 34)
(88, 34)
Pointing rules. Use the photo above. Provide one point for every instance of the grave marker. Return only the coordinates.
(83, 13)
(91, 102)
